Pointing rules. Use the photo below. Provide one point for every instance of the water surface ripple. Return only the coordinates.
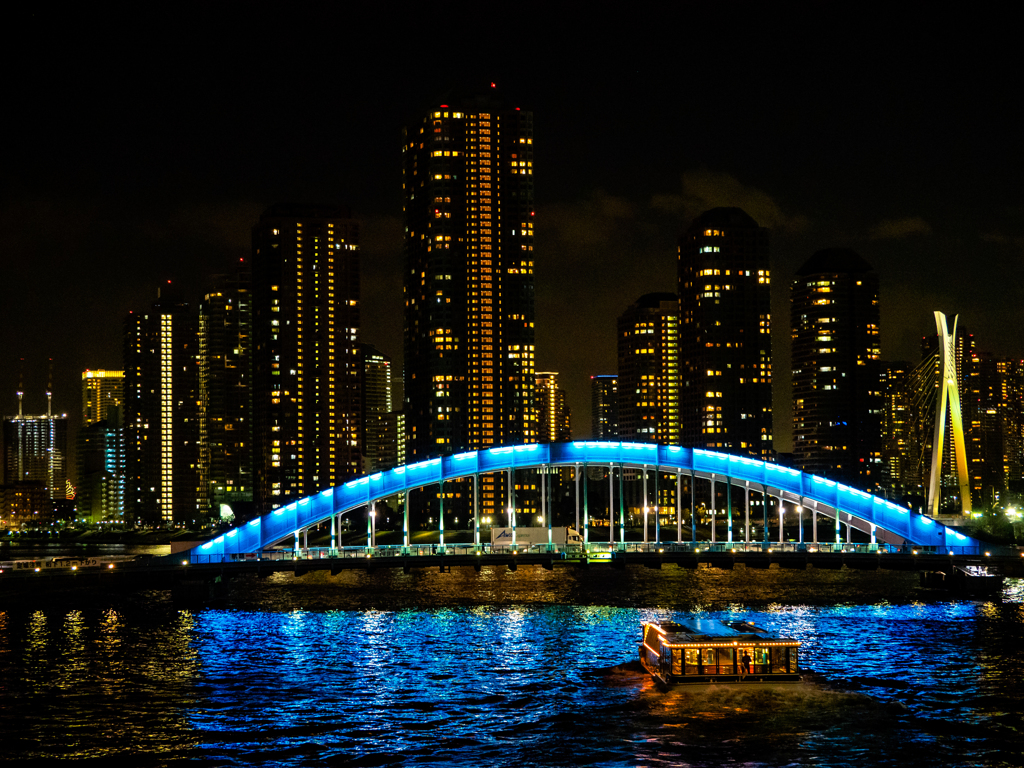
(518, 669)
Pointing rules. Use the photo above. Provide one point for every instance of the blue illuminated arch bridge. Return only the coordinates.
(884, 522)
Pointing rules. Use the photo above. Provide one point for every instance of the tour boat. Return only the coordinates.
(709, 651)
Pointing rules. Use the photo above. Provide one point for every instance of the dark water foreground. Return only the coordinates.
(500, 668)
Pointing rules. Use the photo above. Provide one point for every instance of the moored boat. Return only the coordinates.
(709, 651)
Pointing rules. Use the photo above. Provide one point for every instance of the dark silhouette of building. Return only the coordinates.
(837, 398)
(469, 295)
(725, 334)
(648, 380)
(306, 361)
(226, 394)
(604, 407)
(161, 398)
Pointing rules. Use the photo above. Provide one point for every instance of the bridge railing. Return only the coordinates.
(573, 551)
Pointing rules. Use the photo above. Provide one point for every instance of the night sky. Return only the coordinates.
(141, 147)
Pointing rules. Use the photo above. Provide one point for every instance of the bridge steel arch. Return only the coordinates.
(888, 522)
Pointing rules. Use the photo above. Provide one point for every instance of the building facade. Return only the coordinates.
(225, 395)
(306, 360)
(648, 380)
(553, 416)
(380, 422)
(101, 392)
(100, 494)
(161, 420)
(35, 481)
(837, 395)
(604, 407)
(725, 334)
(469, 291)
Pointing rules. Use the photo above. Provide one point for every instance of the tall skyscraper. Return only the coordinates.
(100, 496)
(648, 382)
(552, 410)
(161, 392)
(725, 334)
(469, 301)
(380, 423)
(225, 394)
(306, 361)
(604, 407)
(837, 397)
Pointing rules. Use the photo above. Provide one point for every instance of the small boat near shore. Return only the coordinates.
(708, 651)
(977, 580)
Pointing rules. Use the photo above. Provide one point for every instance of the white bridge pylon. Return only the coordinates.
(884, 521)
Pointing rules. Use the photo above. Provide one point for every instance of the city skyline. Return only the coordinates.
(833, 152)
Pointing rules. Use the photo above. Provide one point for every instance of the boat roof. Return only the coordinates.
(714, 631)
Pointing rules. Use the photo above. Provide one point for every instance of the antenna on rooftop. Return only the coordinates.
(49, 391)
(21, 384)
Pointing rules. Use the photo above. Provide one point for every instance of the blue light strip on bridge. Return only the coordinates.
(798, 487)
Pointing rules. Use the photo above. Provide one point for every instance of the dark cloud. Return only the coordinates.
(894, 229)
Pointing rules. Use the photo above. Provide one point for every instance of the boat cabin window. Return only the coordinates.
(781, 660)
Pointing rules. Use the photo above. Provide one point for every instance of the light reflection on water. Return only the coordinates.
(522, 670)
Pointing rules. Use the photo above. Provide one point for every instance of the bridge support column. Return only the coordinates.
(334, 541)
(693, 506)
(611, 503)
(577, 498)
(874, 528)
(545, 512)
(296, 541)
(645, 504)
(440, 517)
(800, 519)
(713, 521)
(746, 515)
(369, 526)
(728, 507)
(305, 538)
(405, 519)
(782, 516)
(586, 509)
(657, 509)
(679, 506)
(476, 509)
(512, 504)
(814, 523)
(622, 510)
(764, 513)
(839, 539)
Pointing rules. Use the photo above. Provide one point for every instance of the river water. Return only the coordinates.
(512, 669)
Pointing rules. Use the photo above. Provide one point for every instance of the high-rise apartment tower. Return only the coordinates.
(725, 334)
(837, 394)
(648, 384)
(604, 406)
(225, 388)
(553, 415)
(161, 392)
(306, 361)
(469, 301)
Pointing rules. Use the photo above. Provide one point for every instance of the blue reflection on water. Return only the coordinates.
(538, 685)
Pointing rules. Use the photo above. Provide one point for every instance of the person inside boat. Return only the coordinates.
(745, 663)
